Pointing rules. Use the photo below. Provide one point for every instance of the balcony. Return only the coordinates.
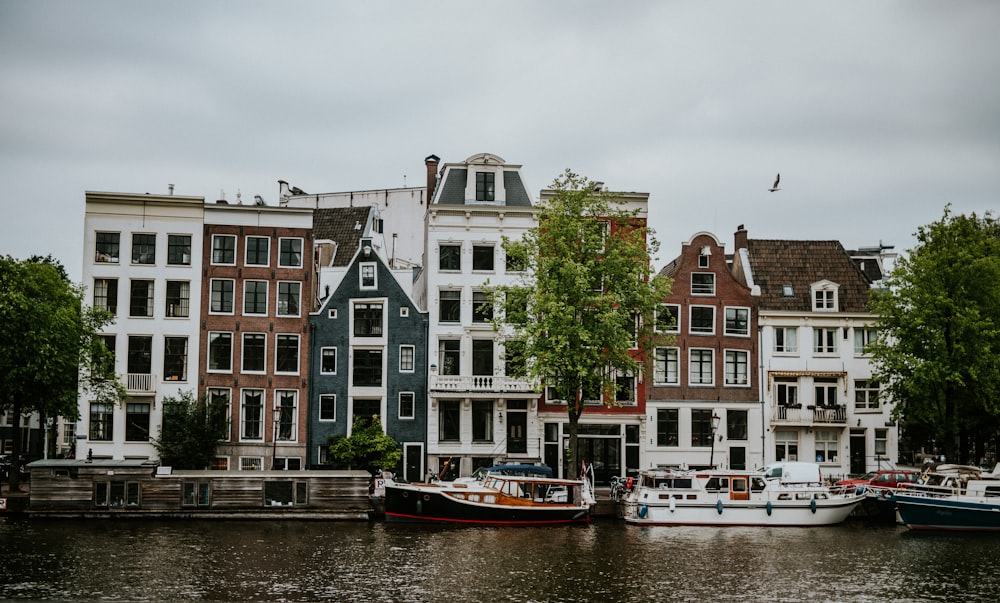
(140, 384)
(820, 415)
(480, 383)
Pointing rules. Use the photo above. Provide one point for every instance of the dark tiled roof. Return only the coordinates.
(517, 195)
(776, 263)
(338, 224)
(453, 187)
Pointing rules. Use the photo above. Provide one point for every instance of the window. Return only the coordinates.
(254, 346)
(866, 394)
(786, 391)
(140, 354)
(107, 247)
(736, 424)
(137, 422)
(482, 357)
(106, 294)
(257, 251)
(449, 413)
(328, 407)
(451, 257)
(222, 296)
(287, 407)
(826, 446)
(406, 405)
(328, 361)
(738, 321)
(485, 186)
(786, 444)
(702, 320)
(666, 427)
(368, 320)
(482, 307)
(368, 368)
(701, 371)
(666, 367)
(786, 340)
(515, 261)
(175, 356)
(220, 352)
(824, 341)
(224, 249)
(515, 306)
(286, 356)
(702, 283)
(404, 311)
(449, 356)
(668, 318)
(367, 274)
(704, 257)
(140, 302)
(178, 299)
(101, 422)
(195, 494)
(406, 353)
(290, 252)
(737, 366)
(482, 420)
(219, 397)
(252, 413)
(255, 297)
(450, 306)
(862, 337)
(825, 300)
(625, 389)
(701, 427)
(826, 391)
(881, 441)
(179, 250)
(143, 248)
(289, 293)
(482, 257)
(366, 409)
(515, 361)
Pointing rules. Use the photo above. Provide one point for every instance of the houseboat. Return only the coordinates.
(783, 494)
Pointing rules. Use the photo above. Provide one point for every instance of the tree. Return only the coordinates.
(50, 348)
(938, 350)
(368, 447)
(579, 317)
(192, 428)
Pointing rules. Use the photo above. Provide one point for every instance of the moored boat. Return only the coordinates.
(956, 497)
(497, 499)
(783, 494)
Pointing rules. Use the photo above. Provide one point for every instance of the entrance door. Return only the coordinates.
(517, 432)
(413, 470)
(858, 452)
(604, 454)
(738, 457)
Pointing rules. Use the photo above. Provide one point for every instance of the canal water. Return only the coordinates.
(139, 560)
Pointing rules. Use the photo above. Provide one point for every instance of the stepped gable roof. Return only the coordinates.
(343, 225)
(777, 263)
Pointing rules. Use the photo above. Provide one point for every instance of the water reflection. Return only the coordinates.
(607, 561)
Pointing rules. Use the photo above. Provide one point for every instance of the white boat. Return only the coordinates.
(783, 494)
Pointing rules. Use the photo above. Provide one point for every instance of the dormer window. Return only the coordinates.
(824, 295)
(485, 186)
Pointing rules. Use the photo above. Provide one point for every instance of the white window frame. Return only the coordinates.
(413, 406)
(825, 340)
(732, 378)
(863, 336)
(362, 267)
(661, 372)
(870, 391)
(691, 365)
(298, 352)
(736, 310)
(703, 289)
(322, 355)
(319, 408)
(243, 299)
(295, 414)
(829, 439)
(246, 250)
(243, 415)
(691, 326)
(298, 310)
(412, 357)
(208, 354)
(302, 251)
(235, 240)
(243, 355)
(789, 340)
(677, 312)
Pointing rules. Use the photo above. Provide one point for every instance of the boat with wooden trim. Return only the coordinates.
(497, 499)
(952, 497)
(783, 494)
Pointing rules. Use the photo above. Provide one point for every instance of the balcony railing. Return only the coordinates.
(140, 383)
(790, 415)
(480, 383)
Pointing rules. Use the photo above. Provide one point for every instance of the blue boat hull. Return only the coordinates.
(406, 505)
(928, 513)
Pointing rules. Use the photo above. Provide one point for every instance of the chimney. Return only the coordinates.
(740, 238)
(170, 187)
(432, 169)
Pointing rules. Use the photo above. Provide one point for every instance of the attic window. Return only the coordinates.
(786, 291)
(703, 257)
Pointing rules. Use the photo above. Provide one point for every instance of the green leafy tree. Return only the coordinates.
(191, 430)
(368, 447)
(938, 350)
(50, 348)
(577, 319)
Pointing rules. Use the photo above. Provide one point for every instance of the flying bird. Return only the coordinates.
(774, 187)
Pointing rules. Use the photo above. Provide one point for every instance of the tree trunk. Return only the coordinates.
(574, 411)
(15, 465)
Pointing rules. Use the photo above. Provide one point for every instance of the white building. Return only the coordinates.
(142, 261)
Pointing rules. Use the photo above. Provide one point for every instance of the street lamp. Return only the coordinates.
(715, 427)
(274, 451)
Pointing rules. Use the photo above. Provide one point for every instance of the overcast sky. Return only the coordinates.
(876, 114)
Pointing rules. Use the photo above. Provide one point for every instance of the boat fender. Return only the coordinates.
(768, 507)
(812, 505)
(718, 506)
(860, 491)
(673, 504)
(642, 512)
(628, 483)
(420, 507)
